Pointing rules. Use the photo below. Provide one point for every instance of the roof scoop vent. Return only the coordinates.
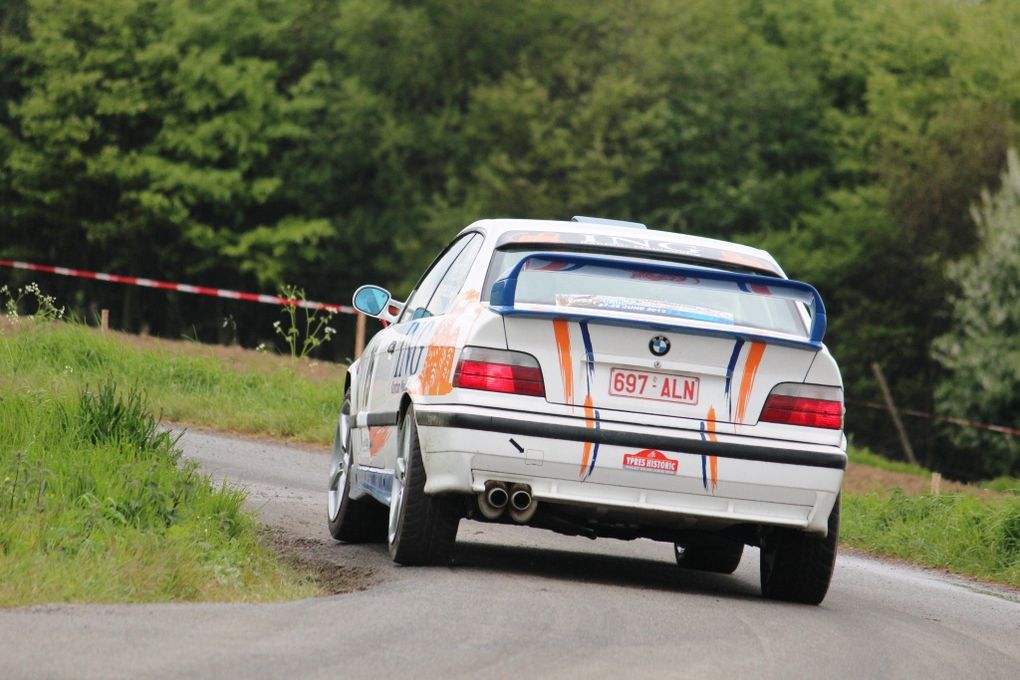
(607, 222)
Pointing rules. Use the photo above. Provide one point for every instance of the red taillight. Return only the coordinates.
(499, 371)
(793, 404)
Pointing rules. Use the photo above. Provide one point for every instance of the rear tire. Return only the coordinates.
(709, 553)
(797, 567)
(422, 528)
(361, 520)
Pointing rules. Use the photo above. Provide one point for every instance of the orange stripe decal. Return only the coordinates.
(754, 356)
(377, 437)
(713, 461)
(589, 422)
(561, 328)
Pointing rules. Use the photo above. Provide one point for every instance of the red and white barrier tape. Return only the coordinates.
(179, 287)
(964, 422)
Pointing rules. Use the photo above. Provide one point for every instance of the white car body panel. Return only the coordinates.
(708, 464)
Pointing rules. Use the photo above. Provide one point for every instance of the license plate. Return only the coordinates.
(674, 387)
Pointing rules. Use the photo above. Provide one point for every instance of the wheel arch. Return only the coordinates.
(405, 402)
(350, 379)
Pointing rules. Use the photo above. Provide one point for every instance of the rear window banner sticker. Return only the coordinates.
(644, 306)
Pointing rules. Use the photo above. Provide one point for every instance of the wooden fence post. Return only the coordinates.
(893, 413)
(104, 319)
(359, 335)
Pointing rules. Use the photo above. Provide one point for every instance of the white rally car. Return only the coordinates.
(600, 379)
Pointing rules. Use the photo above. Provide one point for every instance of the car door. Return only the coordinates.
(397, 353)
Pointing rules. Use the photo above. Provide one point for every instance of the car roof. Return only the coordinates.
(644, 241)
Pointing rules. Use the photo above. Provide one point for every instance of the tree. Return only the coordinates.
(982, 351)
(146, 133)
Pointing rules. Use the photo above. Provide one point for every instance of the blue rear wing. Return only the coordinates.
(503, 298)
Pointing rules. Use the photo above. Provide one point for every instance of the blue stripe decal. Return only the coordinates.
(729, 374)
(704, 460)
(589, 353)
(374, 483)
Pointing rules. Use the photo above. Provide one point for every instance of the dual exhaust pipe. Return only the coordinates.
(515, 499)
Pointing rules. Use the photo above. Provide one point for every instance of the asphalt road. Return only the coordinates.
(518, 603)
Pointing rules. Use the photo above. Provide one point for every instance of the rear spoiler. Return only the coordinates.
(502, 299)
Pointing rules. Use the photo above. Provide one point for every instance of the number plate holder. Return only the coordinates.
(676, 388)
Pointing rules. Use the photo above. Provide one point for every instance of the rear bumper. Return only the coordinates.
(755, 481)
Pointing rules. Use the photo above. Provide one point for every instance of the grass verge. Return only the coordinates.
(51, 364)
(60, 358)
(96, 506)
(959, 532)
(1010, 485)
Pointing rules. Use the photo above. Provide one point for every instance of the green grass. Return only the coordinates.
(967, 533)
(863, 456)
(1003, 485)
(96, 506)
(60, 358)
(959, 533)
(100, 535)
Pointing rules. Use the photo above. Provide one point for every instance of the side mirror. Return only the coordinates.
(376, 301)
(371, 300)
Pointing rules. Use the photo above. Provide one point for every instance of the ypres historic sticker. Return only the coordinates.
(651, 460)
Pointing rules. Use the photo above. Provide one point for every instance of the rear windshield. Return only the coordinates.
(639, 292)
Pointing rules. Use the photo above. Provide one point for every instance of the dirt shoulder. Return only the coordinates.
(863, 479)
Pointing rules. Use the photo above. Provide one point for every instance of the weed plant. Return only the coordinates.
(316, 331)
(97, 506)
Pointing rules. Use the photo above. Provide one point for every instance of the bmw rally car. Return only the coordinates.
(597, 378)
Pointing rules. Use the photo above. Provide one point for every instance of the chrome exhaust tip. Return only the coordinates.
(493, 500)
(520, 499)
(522, 505)
(497, 497)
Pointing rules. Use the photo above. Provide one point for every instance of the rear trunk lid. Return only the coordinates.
(635, 336)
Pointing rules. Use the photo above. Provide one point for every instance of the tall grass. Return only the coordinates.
(961, 533)
(60, 358)
(96, 506)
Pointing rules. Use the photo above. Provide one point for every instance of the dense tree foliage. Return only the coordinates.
(981, 352)
(248, 143)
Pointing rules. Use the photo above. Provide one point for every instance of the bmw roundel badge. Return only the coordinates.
(659, 345)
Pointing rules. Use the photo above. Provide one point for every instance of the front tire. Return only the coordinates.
(422, 528)
(797, 567)
(361, 520)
